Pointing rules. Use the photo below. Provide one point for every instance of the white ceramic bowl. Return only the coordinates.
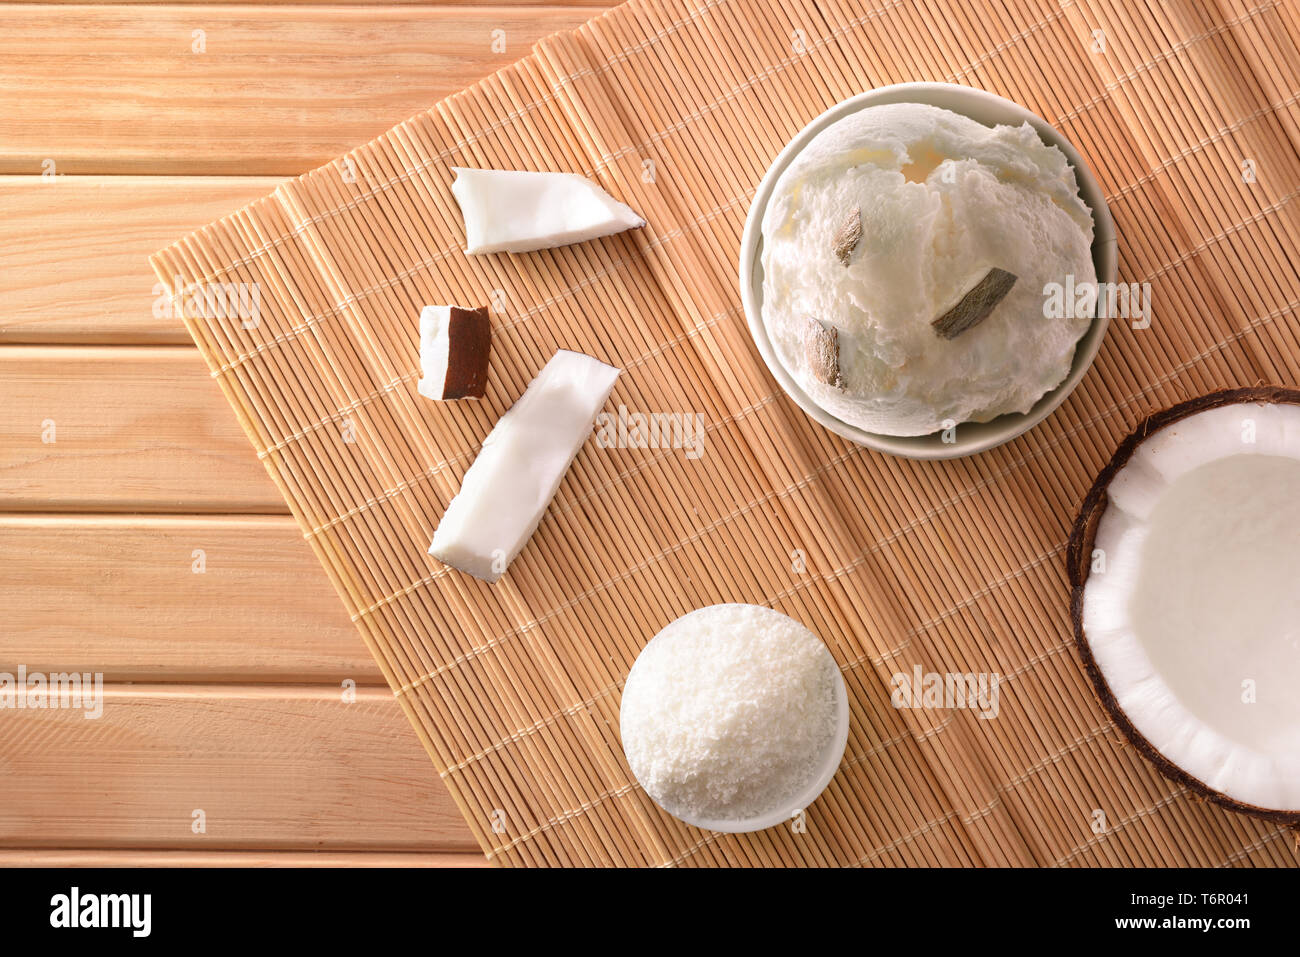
(830, 763)
(987, 108)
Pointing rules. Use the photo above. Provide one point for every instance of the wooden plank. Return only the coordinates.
(76, 251)
(97, 858)
(272, 768)
(120, 594)
(595, 5)
(260, 90)
(122, 428)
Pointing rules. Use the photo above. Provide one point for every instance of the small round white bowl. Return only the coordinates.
(991, 110)
(830, 763)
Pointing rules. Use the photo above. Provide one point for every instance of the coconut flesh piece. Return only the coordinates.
(1187, 601)
(454, 351)
(506, 491)
(511, 211)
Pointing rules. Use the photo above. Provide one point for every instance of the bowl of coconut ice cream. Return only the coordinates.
(904, 262)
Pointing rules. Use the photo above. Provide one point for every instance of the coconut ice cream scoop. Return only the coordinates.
(920, 242)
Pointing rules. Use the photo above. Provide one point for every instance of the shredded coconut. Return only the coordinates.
(728, 712)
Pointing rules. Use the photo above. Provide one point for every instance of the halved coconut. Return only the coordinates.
(1185, 569)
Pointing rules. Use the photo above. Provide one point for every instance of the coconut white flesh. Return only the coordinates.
(506, 491)
(1198, 606)
(511, 211)
(943, 199)
(435, 332)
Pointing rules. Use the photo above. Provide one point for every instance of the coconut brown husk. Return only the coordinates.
(469, 347)
(1078, 560)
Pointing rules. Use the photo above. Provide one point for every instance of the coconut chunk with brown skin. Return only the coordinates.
(455, 344)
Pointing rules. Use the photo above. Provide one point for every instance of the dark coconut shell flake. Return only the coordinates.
(1078, 561)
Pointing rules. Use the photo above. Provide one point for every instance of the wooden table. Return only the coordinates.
(243, 720)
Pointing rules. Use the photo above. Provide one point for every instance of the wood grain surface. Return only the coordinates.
(280, 767)
(236, 89)
(95, 857)
(139, 535)
(123, 428)
(181, 598)
(76, 251)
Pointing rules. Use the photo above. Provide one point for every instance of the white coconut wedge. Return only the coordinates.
(518, 470)
(1185, 569)
(510, 211)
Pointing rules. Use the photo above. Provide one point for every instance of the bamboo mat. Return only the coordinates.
(678, 108)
